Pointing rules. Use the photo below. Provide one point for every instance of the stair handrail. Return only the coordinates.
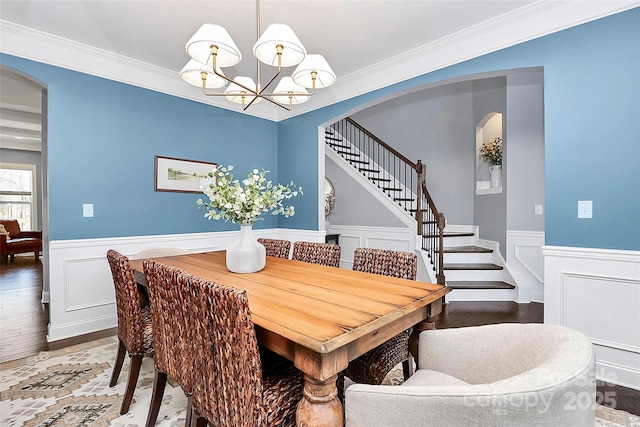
(432, 240)
(382, 143)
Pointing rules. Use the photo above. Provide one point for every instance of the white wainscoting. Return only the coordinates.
(525, 263)
(81, 294)
(597, 292)
(352, 237)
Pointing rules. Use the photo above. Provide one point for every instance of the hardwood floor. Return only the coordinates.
(458, 314)
(23, 322)
(23, 317)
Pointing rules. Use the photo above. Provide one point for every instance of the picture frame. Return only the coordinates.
(181, 175)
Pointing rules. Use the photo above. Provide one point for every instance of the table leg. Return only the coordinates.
(319, 405)
(425, 325)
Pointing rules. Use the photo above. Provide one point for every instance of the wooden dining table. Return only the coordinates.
(320, 317)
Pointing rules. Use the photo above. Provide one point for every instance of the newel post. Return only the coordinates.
(441, 224)
(420, 169)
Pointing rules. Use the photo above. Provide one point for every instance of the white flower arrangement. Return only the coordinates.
(491, 151)
(246, 203)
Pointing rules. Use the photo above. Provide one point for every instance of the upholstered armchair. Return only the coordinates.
(17, 241)
(493, 375)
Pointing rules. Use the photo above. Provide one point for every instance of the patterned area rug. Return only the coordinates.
(70, 387)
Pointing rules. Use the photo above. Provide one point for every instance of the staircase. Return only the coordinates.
(473, 268)
(399, 178)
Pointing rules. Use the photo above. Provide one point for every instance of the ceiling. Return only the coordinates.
(368, 43)
(20, 113)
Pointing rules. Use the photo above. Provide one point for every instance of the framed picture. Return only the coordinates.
(172, 174)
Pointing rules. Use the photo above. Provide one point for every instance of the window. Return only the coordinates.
(17, 198)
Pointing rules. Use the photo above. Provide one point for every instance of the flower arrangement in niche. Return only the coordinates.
(491, 151)
(245, 202)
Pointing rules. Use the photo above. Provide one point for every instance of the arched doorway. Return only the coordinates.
(23, 147)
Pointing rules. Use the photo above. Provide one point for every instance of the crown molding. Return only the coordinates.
(535, 20)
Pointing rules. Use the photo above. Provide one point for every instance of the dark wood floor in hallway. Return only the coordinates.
(23, 316)
(24, 319)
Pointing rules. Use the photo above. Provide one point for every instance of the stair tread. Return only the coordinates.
(391, 189)
(373, 178)
(368, 170)
(458, 234)
(402, 199)
(332, 138)
(451, 235)
(470, 249)
(348, 153)
(480, 284)
(364, 162)
(472, 266)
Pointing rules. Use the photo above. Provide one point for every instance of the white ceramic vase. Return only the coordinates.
(496, 175)
(246, 255)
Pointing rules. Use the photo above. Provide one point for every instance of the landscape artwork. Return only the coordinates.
(173, 174)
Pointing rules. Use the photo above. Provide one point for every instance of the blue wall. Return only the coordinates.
(102, 140)
(592, 114)
(103, 136)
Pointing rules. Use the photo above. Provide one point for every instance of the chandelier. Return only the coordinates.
(211, 49)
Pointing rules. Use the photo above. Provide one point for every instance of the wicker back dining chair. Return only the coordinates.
(317, 253)
(276, 247)
(135, 334)
(171, 335)
(373, 366)
(230, 387)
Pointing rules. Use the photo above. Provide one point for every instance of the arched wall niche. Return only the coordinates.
(490, 126)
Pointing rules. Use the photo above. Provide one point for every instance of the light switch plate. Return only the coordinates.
(538, 209)
(585, 209)
(87, 210)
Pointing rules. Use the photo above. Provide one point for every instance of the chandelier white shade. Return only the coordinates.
(240, 95)
(266, 48)
(199, 46)
(192, 74)
(286, 90)
(211, 49)
(303, 74)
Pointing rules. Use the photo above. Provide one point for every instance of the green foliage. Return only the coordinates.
(246, 202)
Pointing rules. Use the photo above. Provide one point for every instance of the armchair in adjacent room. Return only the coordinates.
(16, 241)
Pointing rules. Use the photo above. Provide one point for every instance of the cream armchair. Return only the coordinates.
(492, 375)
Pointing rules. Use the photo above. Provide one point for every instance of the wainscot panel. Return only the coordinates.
(526, 264)
(597, 291)
(352, 237)
(81, 294)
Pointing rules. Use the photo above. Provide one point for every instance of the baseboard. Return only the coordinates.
(624, 376)
(83, 327)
